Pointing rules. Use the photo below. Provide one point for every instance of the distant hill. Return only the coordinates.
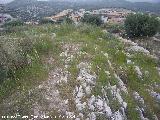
(5, 1)
(137, 6)
(144, 6)
(34, 9)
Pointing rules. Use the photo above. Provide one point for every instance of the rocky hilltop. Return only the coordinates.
(90, 75)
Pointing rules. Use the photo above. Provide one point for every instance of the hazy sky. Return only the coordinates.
(144, 0)
(6, 1)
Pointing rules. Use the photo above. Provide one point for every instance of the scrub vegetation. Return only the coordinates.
(37, 61)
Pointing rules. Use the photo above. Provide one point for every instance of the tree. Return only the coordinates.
(46, 21)
(159, 24)
(137, 25)
(14, 23)
(68, 20)
(92, 19)
(115, 28)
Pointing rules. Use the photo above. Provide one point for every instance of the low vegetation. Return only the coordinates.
(27, 60)
(13, 23)
(114, 28)
(21, 52)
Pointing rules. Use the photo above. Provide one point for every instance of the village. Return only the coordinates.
(108, 15)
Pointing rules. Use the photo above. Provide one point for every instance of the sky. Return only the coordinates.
(144, 0)
(6, 1)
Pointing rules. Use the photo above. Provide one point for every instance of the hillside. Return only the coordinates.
(82, 72)
(29, 10)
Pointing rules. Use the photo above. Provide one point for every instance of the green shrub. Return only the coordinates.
(14, 23)
(114, 28)
(46, 21)
(13, 54)
(159, 24)
(137, 25)
(3, 67)
(18, 53)
(68, 20)
(3, 73)
(92, 19)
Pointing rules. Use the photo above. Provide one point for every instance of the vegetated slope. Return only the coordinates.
(29, 10)
(91, 75)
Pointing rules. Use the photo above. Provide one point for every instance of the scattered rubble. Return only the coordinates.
(155, 95)
(129, 42)
(138, 71)
(96, 104)
(141, 111)
(129, 62)
(138, 98)
(117, 116)
(138, 49)
(121, 84)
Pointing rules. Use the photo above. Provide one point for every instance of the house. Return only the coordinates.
(113, 15)
(116, 20)
(60, 16)
(76, 16)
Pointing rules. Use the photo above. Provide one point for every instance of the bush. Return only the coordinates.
(14, 55)
(114, 28)
(137, 25)
(92, 19)
(68, 20)
(159, 24)
(3, 67)
(46, 21)
(14, 23)
(18, 53)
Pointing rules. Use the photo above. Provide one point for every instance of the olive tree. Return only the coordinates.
(137, 25)
(92, 19)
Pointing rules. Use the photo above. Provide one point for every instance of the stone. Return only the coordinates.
(138, 49)
(91, 102)
(92, 116)
(138, 98)
(155, 95)
(138, 71)
(88, 90)
(129, 62)
(117, 116)
(99, 104)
